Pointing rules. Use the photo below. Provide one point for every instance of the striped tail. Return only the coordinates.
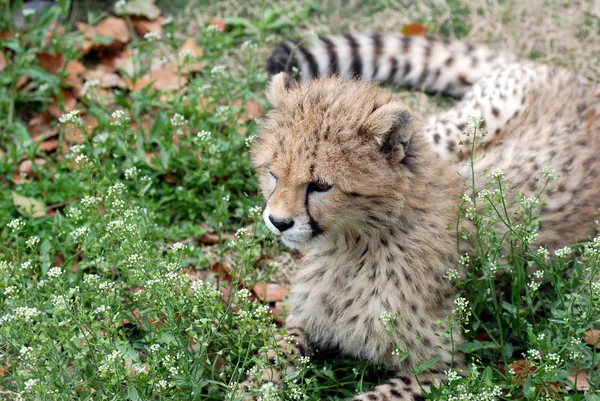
(429, 64)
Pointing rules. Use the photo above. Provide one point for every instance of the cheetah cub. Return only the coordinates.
(349, 177)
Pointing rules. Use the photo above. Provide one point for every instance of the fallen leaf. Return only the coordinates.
(220, 24)
(189, 46)
(414, 29)
(266, 292)
(106, 76)
(140, 83)
(172, 180)
(40, 119)
(51, 62)
(144, 25)
(279, 312)
(254, 109)
(74, 134)
(23, 80)
(165, 79)
(28, 206)
(39, 132)
(2, 370)
(52, 32)
(145, 8)
(119, 60)
(69, 104)
(591, 338)
(522, 369)
(2, 62)
(209, 239)
(114, 28)
(75, 67)
(75, 83)
(580, 379)
(26, 167)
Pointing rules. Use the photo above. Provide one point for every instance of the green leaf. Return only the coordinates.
(132, 394)
(426, 365)
(469, 347)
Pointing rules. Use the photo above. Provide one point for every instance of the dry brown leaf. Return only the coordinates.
(580, 379)
(53, 31)
(2, 371)
(26, 167)
(140, 83)
(172, 180)
(266, 292)
(23, 80)
(75, 67)
(144, 25)
(28, 206)
(209, 239)
(119, 60)
(69, 104)
(591, 338)
(189, 45)
(74, 134)
(49, 145)
(40, 119)
(106, 76)
(254, 109)
(414, 29)
(75, 83)
(114, 28)
(41, 129)
(2, 62)
(165, 79)
(51, 62)
(220, 24)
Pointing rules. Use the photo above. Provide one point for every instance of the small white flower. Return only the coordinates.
(103, 309)
(27, 12)
(248, 46)
(55, 272)
(186, 55)
(203, 136)
(16, 225)
(452, 375)
(218, 70)
(452, 275)
(26, 266)
(178, 246)
(32, 242)
(242, 232)
(119, 118)
(26, 313)
(563, 252)
(151, 36)
(131, 173)
(498, 173)
(387, 318)
(92, 83)
(465, 260)
(10, 291)
(474, 122)
(71, 117)
(533, 354)
(548, 173)
(31, 384)
(60, 302)
(80, 234)
(255, 211)
(250, 140)
(226, 198)
(178, 120)
(543, 253)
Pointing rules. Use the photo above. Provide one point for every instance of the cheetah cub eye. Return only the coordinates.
(319, 186)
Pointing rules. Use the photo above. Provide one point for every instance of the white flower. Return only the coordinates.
(71, 117)
(462, 308)
(548, 173)
(178, 120)
(498, 173)
(10, 291)
(452, 375)
(255, 211)
(26, 313)
(226, 198)
(250, 140)
(248, 46)
(186, 55)
(217, 70)
(16, 225)
(92, 83)
(465, 260)
(474, 122)
(150, 36)
(563, 252)
(60, 302)
(533, 354)
(242, 232)
(89, 201)
(203, 136)
(387, 318)
(26, 266)
(452, 275)
(211, 28)
(154, 347)
(32, 242)
(131, 173)
(55, 272)
(543, 253)
(30, 384)
(178, 246)
(103, 309)
(162, 385)
(119, 118)
(80, 234)
(26, 353)
(28, 12)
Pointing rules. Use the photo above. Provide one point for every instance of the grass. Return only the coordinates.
(100, 296)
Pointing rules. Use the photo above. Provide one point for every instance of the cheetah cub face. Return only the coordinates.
(334, 158)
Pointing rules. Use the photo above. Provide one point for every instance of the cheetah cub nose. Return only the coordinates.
(281, 224)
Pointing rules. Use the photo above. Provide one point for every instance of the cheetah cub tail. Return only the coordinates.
(429, 64)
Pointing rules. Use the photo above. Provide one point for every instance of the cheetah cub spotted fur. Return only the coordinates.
(351, 177)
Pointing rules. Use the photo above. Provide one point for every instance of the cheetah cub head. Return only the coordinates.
(335, 158)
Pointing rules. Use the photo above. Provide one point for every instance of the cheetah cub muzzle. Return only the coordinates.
(349, 178)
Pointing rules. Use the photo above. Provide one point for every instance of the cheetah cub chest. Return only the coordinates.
(349, 178)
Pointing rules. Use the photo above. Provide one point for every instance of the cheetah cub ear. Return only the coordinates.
(392, 124)
(278, 88)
